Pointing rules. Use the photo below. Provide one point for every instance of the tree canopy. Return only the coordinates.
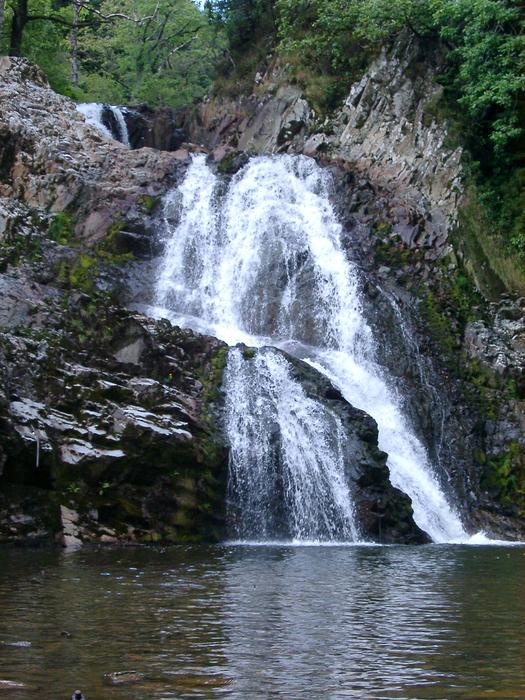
(159, 51)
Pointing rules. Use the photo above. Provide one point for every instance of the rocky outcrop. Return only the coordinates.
(108, 426)
(500, 346)
(75, 207)
(52, 161)
(276, 118)
(107, 423)
(386, 132)
(161, 128)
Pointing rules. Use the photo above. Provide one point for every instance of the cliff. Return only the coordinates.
(110, 422)
(107, 419)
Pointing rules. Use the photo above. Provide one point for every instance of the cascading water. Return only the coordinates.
(123, 128)
(263, 264)
(94, 112)
(306, 463)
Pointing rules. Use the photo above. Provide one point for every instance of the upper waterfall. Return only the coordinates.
(263, 264)
(94, 115)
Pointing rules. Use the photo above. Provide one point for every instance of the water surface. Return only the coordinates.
(437, 621)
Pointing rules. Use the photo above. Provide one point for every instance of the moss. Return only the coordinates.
(108, 249)
(504, 477)
(382, 228)
(439, 324)
(227, 165)
(80, 274)
(83, 272)
(390, 250)
(148, 203)
(61, 229)
(20, 246)
(213, 379)
(487, 256)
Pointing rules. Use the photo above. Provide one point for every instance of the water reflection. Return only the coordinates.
(268, 622)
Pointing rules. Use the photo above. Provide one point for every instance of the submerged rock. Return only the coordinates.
(123, 677)
(78, 695)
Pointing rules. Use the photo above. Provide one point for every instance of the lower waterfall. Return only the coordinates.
(262, 264)
(316, 501)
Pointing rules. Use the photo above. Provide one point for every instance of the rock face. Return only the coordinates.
(97, 404)
(160, 128)
(385, 131)
(107, 425)
(51, 161)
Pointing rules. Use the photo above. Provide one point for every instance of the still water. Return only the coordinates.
(264, 622)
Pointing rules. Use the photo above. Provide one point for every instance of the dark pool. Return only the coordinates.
(264, 622)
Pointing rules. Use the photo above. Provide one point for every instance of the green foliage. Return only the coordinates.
(61, 228)
(244, 21)
(486, 62)
(167, 59)
(482, 37)
(81, 274)
(439, 324)
(149, 202)
(160, 52)
(504, 476)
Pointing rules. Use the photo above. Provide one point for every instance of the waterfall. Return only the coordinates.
(94, 114)
(119, 116)
(307, 463)
(263, 264)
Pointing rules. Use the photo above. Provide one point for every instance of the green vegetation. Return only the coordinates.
(504, 477)
(160, 52)
(482, 45)
(61, 228)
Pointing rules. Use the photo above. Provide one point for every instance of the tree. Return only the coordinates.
(73, 40)
(243, 20)
(168, 59)
(86, 13)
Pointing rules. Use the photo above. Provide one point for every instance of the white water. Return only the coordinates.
(263, 264)
(92, 112)
(307, 463)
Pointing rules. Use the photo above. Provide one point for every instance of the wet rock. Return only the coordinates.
(11, 684)
(70, 532)
(78, 695)
(91, 431)
(160, 128)
(499, 346)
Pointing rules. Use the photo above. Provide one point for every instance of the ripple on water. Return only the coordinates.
(280, 621)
